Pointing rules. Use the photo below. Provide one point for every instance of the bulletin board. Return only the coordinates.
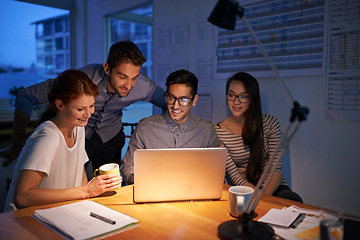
(343, 75)
(291, 32)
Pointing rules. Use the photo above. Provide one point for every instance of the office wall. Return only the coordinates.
(323, 154)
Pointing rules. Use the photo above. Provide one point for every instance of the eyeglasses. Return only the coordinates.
(184, 102)
(241, 98)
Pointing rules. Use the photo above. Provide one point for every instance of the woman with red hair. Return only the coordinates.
(50, 167)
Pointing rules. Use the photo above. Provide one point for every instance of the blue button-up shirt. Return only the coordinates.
(160, 131)
(106, 120)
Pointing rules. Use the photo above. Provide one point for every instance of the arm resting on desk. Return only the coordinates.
(28, 194)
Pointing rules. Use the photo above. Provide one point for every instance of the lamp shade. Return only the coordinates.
(224, 14)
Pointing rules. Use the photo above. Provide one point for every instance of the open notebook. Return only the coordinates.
(178, 174)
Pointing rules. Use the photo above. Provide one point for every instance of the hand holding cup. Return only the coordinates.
(110, 168)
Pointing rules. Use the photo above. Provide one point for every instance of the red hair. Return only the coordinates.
(68, 86)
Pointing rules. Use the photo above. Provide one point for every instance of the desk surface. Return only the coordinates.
(178, 220)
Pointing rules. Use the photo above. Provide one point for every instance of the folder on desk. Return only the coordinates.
(178, 174)
(75, 221)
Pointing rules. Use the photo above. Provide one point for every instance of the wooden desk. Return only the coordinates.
(183, 220)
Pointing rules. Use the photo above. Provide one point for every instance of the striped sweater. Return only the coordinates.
(238, 152)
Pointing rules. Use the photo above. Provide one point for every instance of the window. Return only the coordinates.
(40, 30)
(67, 42)
(58, 25)
(47, 28)
(59, 43)
(28, 54)
(119, 27)
(60, 61)
(48, 45)
(142, 31)
(48, 61)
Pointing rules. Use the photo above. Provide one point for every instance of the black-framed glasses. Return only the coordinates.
(243, 98)
(184, 102)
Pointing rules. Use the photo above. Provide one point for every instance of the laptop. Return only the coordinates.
(178, 174)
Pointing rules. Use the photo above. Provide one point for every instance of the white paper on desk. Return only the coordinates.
(305, 228)
(291, 233)
(279, 217)
(75, 222)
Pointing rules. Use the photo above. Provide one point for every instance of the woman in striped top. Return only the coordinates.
(251, 137)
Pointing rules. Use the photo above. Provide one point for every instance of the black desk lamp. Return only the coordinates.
(224, 15)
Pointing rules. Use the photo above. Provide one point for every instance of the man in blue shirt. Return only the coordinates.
(176, 128)
(120, 84)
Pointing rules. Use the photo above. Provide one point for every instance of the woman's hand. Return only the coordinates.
(101, 184)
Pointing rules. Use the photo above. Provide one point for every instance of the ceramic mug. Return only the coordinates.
(108, 168)
(239, 197)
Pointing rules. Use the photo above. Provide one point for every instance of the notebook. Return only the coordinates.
(178, 174)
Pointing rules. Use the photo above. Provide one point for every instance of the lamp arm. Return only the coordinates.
(270, 169)
(298, 113)
(267, 57)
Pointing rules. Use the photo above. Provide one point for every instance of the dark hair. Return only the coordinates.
(252, 132)
(124, 51)
(68, 86)
(183, 77)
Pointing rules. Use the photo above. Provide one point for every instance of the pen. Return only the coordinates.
(102, 218)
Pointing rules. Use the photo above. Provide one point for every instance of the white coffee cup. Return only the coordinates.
(239, 196)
